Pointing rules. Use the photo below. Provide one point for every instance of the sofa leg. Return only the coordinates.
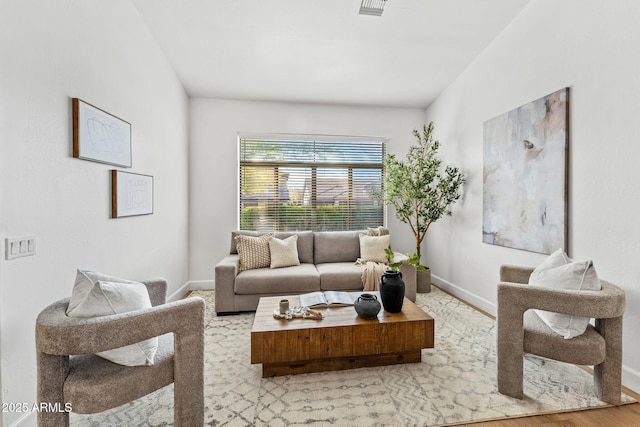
(227, 313)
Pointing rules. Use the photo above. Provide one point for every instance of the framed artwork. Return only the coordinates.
(99, 136)
(525, 176)
(131, 194)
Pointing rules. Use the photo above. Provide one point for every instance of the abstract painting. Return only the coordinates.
(525, 176)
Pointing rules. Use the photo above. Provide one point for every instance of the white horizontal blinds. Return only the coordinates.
(310, 183)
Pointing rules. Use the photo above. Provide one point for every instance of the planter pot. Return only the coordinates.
(424, 281)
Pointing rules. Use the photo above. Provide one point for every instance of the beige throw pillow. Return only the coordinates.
(372, 248)
(254, 251)
(284, 253)
(95, 294)
(377, 231)
(559, 271)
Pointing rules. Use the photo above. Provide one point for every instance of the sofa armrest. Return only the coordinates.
(409, 275)
(400, 257)
(225, 275)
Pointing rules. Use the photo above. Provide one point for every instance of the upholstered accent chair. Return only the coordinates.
(70, 373)
(520, 330)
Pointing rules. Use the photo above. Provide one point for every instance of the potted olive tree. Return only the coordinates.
(421, 192)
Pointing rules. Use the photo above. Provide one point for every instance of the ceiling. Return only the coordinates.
(316, 51)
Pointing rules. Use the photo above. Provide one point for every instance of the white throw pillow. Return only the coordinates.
(559, 271)
(372, 248)
(284, 253)
(96, 294)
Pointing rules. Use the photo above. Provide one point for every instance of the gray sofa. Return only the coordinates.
(327, 262)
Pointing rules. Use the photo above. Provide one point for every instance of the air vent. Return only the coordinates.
(372, 7)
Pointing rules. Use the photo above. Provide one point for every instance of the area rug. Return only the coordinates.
(455, 383)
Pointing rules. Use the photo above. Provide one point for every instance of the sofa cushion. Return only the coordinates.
(286, 280)
(336, 246)
(284, 253)
(340, 276)
(254, 251)
(234, 246)
(305, 243)
(372, 248)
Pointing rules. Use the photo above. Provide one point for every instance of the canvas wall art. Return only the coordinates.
(99, 136)
(131, 194)
(525, 176)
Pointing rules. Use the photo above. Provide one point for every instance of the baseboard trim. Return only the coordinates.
(179, 293)
(20, 422)
(191, 285)
(202, 285)
(464, 295)
(630, 377)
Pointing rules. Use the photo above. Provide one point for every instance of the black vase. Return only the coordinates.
(367, 306)
(392, 291)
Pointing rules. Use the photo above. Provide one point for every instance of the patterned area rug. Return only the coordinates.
(454, 384)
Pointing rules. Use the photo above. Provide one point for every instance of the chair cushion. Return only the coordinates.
(286, 280)
(254, 251)
(559, 271)
(284, 253)
(95, 294)
(372, 248)
(540, 339)
(95, 384)
(340, 276)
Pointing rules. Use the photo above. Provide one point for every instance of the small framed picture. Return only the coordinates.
(131, 194)
(99, 136)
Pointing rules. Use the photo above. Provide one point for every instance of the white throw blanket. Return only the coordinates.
(371, 273)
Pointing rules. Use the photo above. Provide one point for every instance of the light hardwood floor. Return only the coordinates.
(619, 416)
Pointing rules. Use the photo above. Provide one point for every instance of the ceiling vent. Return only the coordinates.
(372, 7)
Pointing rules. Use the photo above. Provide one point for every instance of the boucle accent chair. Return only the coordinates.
(520, 330)
(91, 384)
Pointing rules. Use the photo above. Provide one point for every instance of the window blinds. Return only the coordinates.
(310, 183)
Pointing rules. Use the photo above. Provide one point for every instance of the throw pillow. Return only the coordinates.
(559, 271)
(254, 251)
(96, 294)
(284, 253)
(377, 231)
(372, 248)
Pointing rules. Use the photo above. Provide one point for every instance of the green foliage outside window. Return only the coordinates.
(328, 218)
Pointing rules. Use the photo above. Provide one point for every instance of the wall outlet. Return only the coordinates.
(16, 247)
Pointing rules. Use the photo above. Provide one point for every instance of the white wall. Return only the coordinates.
(214, 165)
(101, 52)
(590, 46)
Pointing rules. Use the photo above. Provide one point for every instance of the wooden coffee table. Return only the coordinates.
(341, 340)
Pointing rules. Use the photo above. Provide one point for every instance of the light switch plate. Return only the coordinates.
(16, 247)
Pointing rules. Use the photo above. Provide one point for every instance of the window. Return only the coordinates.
(310, 183)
